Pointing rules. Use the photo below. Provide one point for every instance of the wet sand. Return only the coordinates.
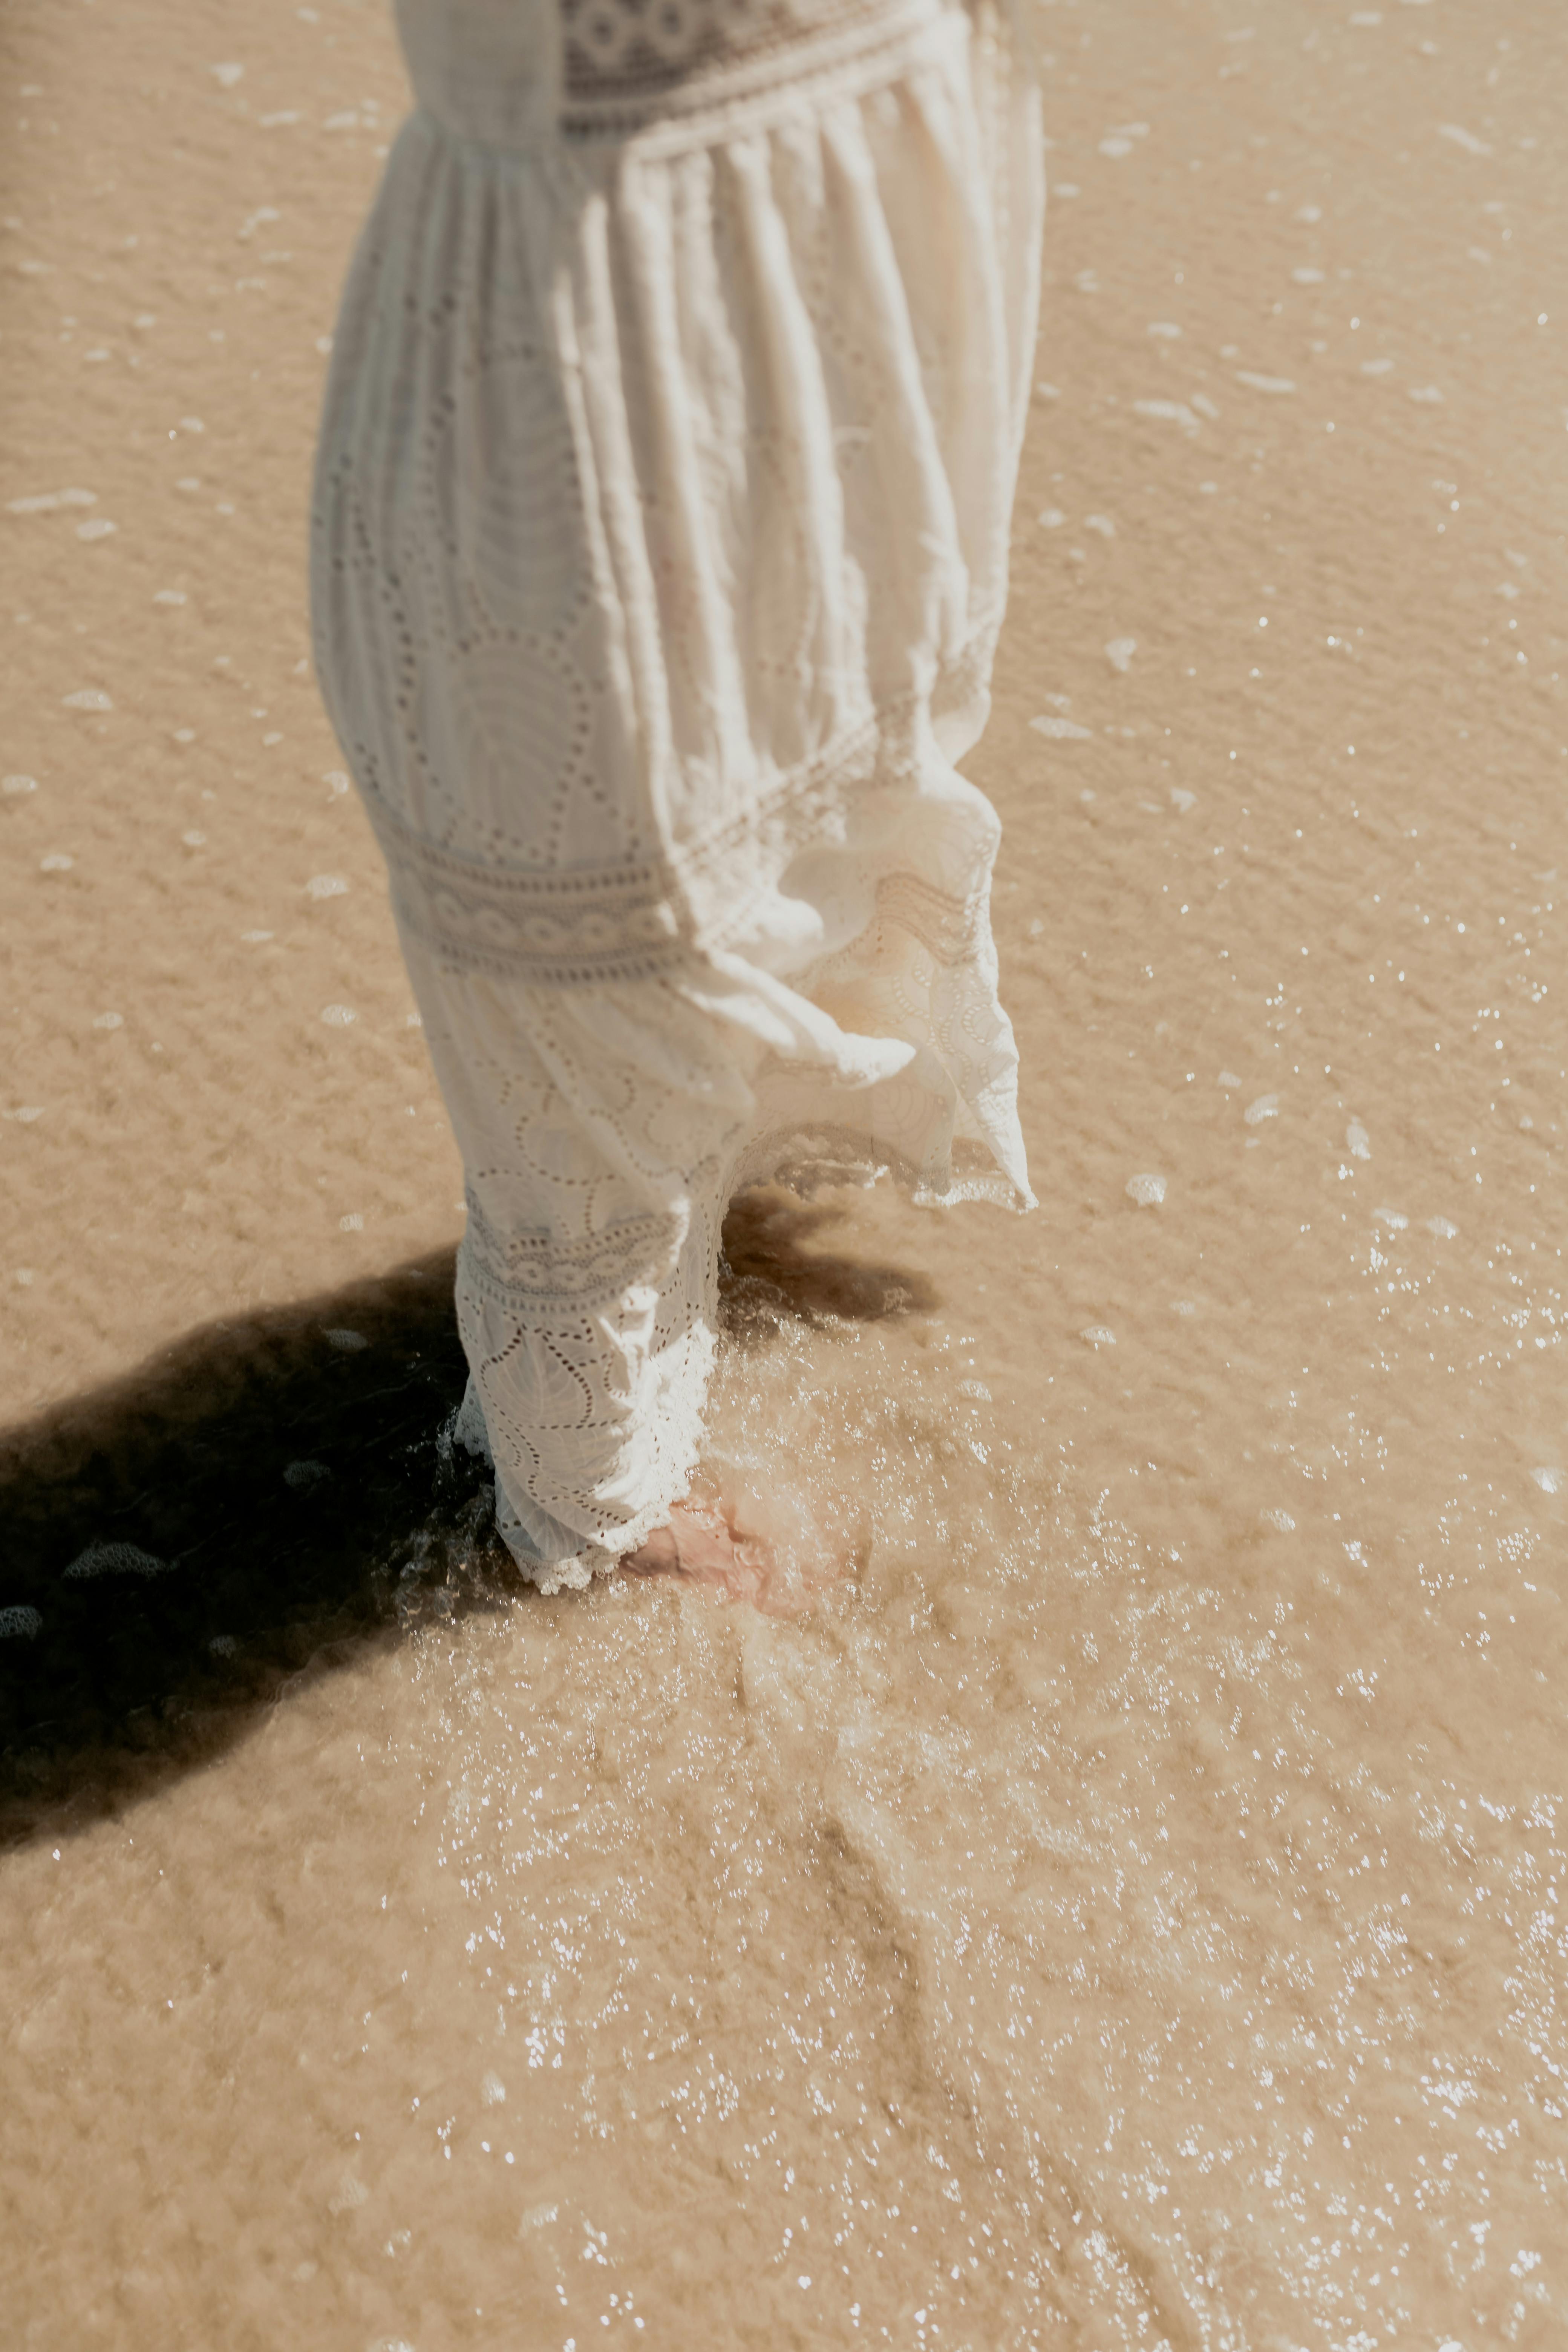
(1124, 1909)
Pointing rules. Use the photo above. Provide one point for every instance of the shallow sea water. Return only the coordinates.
(1121, 1905)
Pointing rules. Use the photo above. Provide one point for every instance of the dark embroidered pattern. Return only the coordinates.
(625, 60)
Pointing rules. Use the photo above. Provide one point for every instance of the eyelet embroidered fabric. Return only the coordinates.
(625, 62)
(659, 553)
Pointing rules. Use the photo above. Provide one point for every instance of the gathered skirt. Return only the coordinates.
(659, 550)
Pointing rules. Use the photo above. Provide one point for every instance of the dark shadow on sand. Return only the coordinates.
(773, 1272)
(202, 1529)
(269, 1495)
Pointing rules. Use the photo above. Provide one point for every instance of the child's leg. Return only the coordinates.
(598, 1142)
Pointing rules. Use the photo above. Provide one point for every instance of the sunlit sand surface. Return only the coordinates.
(1118, 1902)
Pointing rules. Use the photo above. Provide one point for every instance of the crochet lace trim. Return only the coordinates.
(626, 63)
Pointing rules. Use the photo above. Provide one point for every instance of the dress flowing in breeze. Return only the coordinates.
(659, 550)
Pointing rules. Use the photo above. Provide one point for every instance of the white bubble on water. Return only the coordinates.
(1097, 1334)
(1061, 730)
(1186, 1306)
(1357, 1141)
(1375, 367)
(89, 697)
(1280, 1521)
(1266, 1107)
(109, 1021)
(255, 938)
(1182, 800)
(353, 1224)
(492, 2090)
(1166, 329)
(1271, 384)
(170, 596)
(1549, 1481)
(1037, 925)
(1148, 1192)
(12, 786)
(48, 501)
(1308, 276)
(194, 838)
(1205, 407)
(1443, 1229)
(222, 1645)
(25, 1113)
(302, 1475)
(327, 885)
(347, 1343)
(115, 1560)
(338, 1016)
(1115, 147)
(19, 1621)
(1101, 523)
(538, 2216)
(1227, 1078)
(1392, 1219)
(1050, 517)
(1120, 651)
(226, 74)
(1426, 392)
(100, 527)
(1175, 411)
(336, 783)
(1311, 213)
(1462, 138)
(57, 862)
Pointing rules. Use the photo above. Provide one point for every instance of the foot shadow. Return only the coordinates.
(770, 1274)
(266, 1494)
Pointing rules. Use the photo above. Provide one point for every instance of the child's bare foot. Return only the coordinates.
(701, 1544)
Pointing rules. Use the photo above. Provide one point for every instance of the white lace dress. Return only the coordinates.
(660, 547)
